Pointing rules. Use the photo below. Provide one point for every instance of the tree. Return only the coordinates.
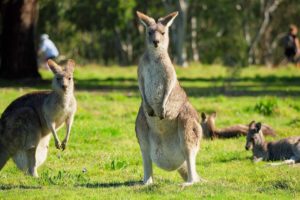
(18, 55)
(224, 32)
(267, 8)
(180, 26)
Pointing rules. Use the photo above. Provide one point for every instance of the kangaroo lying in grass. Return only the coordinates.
(287, 149)
(167, 125)
(208, 124)
(26, 124)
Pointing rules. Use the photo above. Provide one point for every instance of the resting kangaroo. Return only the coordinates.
(26, 124)
(167, 125)
(287, 149)
(210, 130)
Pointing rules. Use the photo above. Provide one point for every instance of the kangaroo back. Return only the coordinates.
(1, 127)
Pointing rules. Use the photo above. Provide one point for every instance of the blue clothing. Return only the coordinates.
(48, 48)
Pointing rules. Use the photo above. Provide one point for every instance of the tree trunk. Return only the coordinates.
(181, 55)
(179, 33)
(194, 39)
(19, 56)
(267, 11)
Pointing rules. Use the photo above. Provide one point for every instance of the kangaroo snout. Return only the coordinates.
(155, 42)
(248, 146)
(64, 87)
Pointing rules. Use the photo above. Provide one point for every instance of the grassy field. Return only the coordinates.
(103, 159)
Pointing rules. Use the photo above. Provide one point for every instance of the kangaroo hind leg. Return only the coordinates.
(42, 150)
(32, 162)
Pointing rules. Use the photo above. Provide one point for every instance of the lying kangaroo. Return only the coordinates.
(167, 125)
(26, 124)
(208, 124)
(287, 149)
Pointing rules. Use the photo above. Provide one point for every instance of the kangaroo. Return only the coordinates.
(26, 124)
(210, 130)
(287, 149)
(167, 125)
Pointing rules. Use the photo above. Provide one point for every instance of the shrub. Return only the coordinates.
(266, 106)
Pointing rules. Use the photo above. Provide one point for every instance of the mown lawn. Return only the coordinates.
(103, 160)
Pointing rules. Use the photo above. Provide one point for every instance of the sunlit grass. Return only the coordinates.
(103, 159)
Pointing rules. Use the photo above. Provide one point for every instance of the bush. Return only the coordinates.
(266, 106)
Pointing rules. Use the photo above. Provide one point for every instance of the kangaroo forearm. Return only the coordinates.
(169, 87)
(145, 103)
(69, 124)
(53, 131)
(55, 135)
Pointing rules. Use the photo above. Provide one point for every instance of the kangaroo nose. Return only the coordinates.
(155, 42)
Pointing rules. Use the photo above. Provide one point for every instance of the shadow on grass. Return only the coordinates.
(111, 185)
(232, 159)
(244, 86)
(23, 187)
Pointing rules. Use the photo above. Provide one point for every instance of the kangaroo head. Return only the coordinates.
(208, 123)
(254, 136)
(157, 33)
(63, 79)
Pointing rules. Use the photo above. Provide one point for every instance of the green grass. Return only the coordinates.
(103, 159)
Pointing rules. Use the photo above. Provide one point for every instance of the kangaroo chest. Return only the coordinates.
(154, 82)
(58, 111)
(61, 117)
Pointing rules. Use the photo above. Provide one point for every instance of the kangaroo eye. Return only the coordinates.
(163, 33)
(69, 78)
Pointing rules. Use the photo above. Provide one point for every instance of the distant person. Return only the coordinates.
(292, 46)
(47, 50)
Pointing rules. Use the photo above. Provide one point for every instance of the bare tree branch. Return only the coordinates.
(267, 13)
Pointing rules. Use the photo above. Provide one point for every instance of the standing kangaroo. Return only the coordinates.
(26, 124)
(287, 149)
(167, 125)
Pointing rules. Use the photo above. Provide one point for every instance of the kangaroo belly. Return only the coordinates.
(165, 148)
(42, 150)
(167, 155)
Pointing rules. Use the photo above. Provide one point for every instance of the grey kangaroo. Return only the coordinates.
(26, 124)
(210, 130)
(287, 149)
(167, 125)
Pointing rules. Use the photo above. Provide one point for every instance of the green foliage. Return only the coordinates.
(116, 165)
(62, 178)
(108, 31)
(267, 106)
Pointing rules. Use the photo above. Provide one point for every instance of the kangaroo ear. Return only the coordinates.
(70, 66)
(258, 126)
(203, 116)
(145, 20)
(168, 20)
(214, 114)
(55, 68)
(252, 125)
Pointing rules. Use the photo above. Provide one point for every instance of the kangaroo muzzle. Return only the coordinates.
(155, 42)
